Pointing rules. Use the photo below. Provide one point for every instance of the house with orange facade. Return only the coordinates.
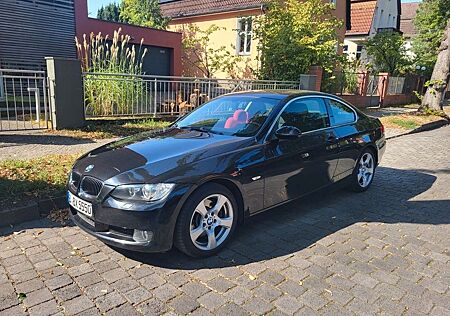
(235, 19)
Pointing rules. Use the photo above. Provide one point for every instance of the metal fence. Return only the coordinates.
(373, 85)
(395, 85)
(23, 100)
(354, 83)
(133, 95)
(403, 85)
(369, 84)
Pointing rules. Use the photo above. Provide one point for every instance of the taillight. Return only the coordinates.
(382, 129)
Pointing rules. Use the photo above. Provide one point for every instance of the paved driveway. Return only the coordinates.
(385, 251)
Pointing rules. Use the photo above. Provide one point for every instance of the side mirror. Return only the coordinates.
(288, 132)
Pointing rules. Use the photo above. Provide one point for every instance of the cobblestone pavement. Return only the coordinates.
(385, 251)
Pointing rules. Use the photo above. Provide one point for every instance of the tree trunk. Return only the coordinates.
(434, 97)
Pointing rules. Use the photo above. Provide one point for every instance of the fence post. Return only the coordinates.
(318, 72)
(66, 92)
(154, 98)
(363, 80)
(46, 101)
(209, 89)
(383, 83)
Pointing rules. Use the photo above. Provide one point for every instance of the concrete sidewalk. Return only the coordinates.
(37, 143)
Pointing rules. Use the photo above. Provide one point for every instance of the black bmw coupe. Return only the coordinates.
(192, 184)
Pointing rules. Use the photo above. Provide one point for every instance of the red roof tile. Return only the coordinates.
(182, 8)
(361, 16)
(409, 11)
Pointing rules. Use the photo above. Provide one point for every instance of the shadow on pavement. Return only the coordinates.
(395, 197)
(40, 139)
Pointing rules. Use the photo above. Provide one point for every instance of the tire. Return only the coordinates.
(364, 172)
(210, 213)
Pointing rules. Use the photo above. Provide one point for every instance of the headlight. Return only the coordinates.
(143, 192)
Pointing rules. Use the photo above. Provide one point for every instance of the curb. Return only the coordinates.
(426, 127)
(30, 212)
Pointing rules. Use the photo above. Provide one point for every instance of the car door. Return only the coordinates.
(296, 167)
(343, 120)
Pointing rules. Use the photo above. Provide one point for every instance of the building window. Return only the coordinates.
(359, 49)
(333, 2)
(244, 32)
(345, 49)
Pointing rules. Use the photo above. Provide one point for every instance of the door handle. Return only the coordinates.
(304, 155)
(331, 138)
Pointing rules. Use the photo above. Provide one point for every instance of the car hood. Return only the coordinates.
(140, 158)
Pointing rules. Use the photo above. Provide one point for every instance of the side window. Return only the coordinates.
(340, 113)
(305, 114)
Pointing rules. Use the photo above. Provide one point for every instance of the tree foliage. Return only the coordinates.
(430, 22)
(143, 13)
(203, 56)
(293, 35)
(111, 12)
(388, 53)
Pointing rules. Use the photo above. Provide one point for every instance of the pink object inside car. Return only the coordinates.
(239, 117)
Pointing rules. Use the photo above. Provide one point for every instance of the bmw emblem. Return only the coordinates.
(89, 168)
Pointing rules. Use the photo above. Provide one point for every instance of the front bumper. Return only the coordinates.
(143, 228)
(120, 239)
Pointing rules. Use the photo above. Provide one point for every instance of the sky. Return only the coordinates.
(94, 5)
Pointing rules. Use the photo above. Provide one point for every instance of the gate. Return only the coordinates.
(24, 101)
(375, 89)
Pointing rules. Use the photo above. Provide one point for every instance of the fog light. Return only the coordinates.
(142, 235)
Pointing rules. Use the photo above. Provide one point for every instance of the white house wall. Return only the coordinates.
(352, 44)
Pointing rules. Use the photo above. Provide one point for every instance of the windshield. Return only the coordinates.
(238, 115)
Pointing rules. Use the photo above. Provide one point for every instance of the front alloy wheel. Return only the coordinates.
(206, 221)
(211, 222)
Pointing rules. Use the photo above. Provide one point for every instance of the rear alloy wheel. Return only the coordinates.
(206, 221)
(364, 172)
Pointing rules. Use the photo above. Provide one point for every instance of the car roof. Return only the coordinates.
(280, 94)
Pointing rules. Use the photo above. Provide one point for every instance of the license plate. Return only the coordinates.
(78, 204)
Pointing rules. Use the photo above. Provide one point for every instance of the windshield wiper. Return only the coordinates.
(199, 129)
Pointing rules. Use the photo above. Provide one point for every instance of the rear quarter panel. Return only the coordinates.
(353, 139)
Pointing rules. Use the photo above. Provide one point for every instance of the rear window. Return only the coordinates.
(340, 113)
